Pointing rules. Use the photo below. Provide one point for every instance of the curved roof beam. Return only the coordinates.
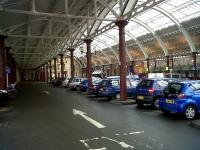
(112, 50)
(117, 41)
(103, 14)
(94, 62)
(142, 49)
(109, 7)
(81, 65)
(157, 37)
(98, 59)
(179, 25)
(108, 59)
(103, 53)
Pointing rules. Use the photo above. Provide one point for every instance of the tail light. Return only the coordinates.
(94, 87)
(181, 95)
(151, 91)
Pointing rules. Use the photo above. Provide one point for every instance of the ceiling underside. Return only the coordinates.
(40, 30)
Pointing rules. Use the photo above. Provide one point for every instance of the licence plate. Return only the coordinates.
(140, 97)
(169, 101)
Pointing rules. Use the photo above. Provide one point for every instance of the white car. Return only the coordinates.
(65, 82)
(75, 83)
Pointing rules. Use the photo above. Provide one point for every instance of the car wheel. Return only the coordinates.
(117, 96)
(140, 104)
(77, 88)
(190, 112)
(155, 103)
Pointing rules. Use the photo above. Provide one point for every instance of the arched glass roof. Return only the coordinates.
(50, 31)
(150, 21)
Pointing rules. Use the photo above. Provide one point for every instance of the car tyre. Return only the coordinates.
(77, 88)
(190, 112)
(117, 96)
(140, 104)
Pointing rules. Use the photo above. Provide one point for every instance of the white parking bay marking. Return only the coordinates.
(83, 114)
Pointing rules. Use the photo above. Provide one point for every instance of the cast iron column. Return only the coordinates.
(44, 73)
(194, 64)
(167, 64)
(13, 69)
(47, 73)
(71, 50)
(123, 89)
(2, 63)
(89, 65)
(132, 67)
(61, 66)
(50, 71)
(147, 65)
(55, 67)
(103, 68)
(8, 63)
(111, 69)
(172, 62)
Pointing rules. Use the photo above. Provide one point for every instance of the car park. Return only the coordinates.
(182, 97)
(110, 88)
(149, 91)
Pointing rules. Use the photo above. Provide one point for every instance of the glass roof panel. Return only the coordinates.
(136, 29)
(182, 10)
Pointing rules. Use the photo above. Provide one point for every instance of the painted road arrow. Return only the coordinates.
(83, 114)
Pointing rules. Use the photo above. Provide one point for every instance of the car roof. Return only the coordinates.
(187, 81)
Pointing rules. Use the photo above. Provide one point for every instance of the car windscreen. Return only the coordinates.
(96, 81)
(114, 82)
(195, 86)
(174, 88)
(103, 83)
(134, 83)
(145, 83)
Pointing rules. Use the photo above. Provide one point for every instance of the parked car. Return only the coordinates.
(58, 82)
(4, 96)
(182, 97)
(65, 82)
(84, 84)
(110, 88)
(149, 91)
(74, 84)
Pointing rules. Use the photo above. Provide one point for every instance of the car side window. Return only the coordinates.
(115, 82)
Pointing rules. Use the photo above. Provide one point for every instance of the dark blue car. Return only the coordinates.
(110, 88)
(83, 86)
(182, 97)
(149, 91)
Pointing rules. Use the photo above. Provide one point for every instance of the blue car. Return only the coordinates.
(110, 88)
(83, 86)
(149, 91)
(182, 97)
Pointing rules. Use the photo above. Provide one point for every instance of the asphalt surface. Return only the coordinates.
(42, 119)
